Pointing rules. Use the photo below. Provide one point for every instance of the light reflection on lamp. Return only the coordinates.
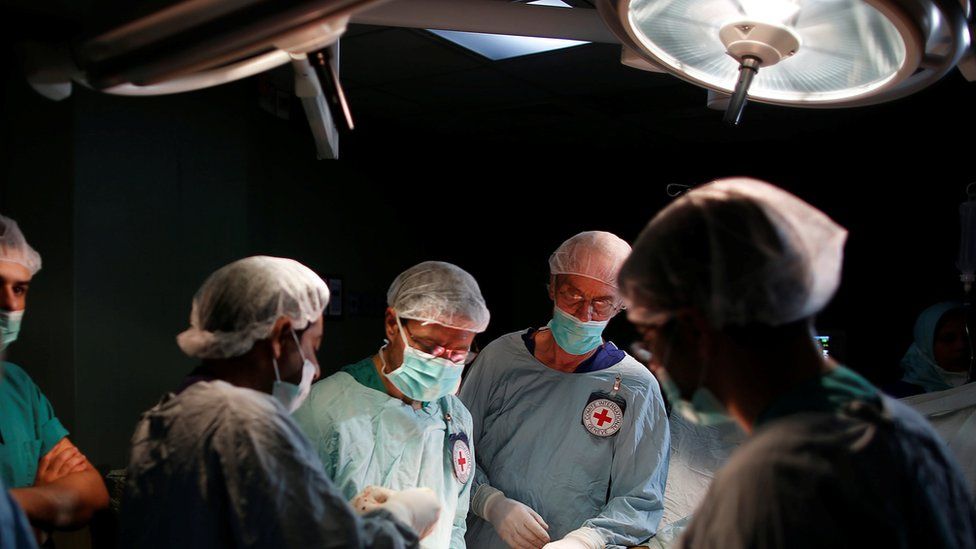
(502, 46)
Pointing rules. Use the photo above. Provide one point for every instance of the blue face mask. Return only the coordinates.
(423, 377)
(9, 327)
(575, 336)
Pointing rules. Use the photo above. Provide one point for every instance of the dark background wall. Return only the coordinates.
(133, 201)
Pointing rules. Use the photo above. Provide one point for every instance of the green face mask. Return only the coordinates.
(704, 408)
(9, 327)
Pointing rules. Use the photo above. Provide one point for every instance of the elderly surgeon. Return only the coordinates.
(48, 477)
(220, 462)
(571, 432)
(723, 285)
(392, 419)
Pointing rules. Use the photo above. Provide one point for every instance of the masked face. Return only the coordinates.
(676, 367)
(583, 308)
(292, 395)
(424, 376)
(14, 282)
(9, 327)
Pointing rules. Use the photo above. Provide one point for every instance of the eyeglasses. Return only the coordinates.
(457, 356)
(571, 299)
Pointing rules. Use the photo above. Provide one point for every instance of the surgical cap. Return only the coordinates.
(439, 293)
(14, 247)
(740, 250)
(239, 304)
(593, 254)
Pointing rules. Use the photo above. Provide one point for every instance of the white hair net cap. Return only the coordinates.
(439, 293)
(593, 254)
(239, 304)
(14, 247)
(742, 251)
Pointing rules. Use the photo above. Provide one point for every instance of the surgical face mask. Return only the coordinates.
(704, 409)
(421, 376)
(290, 395)
(954, 379)
(575, 336)
(9, 327)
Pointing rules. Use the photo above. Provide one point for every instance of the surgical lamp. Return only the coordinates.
(801, 53)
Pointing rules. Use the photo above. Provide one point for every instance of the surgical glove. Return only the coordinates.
(417, 507)
(581, 538)
(516, 523)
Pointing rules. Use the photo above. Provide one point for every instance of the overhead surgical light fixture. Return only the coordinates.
(806, 53)
(197, 44)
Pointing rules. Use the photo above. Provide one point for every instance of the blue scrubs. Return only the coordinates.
(532, 444)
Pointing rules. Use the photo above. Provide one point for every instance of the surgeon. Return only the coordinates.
(220, 462)
(724, 284)
(571, 432)
(50, 479)
(392, 419)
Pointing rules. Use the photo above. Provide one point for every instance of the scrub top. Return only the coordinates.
(555, 442)
(835, 464)
(28, 427)
(366, 437)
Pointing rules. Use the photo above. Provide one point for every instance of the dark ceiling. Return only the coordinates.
(409, 81)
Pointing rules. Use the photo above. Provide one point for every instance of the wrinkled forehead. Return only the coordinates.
(589, 286)
(438, 333)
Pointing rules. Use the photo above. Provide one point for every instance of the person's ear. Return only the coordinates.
(551, 288)
(280, 333)
(390, 325)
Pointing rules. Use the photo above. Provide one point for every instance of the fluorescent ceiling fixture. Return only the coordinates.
(503, 46)
(551, 3)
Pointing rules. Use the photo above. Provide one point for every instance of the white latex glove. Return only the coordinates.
(516, 523)
(417, 507)
(581, 538)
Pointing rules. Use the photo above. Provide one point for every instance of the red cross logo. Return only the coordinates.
(602, 417)
(461, 460)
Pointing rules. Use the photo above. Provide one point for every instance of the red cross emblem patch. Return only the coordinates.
(463, 464)
(603, 417)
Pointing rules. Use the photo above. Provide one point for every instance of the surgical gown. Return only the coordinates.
(223, 466)
(698, 452)
(533, 446)
(869, 473)
(366, 437)
(953, 415)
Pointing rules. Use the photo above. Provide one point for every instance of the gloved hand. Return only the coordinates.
(417, 507)
(581, 538)
(516, 523)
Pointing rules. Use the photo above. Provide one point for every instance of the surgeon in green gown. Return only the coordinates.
(392, 420)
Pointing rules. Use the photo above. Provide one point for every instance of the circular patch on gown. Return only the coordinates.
(603, 417)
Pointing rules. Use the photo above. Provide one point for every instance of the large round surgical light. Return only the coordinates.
(797, 52)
